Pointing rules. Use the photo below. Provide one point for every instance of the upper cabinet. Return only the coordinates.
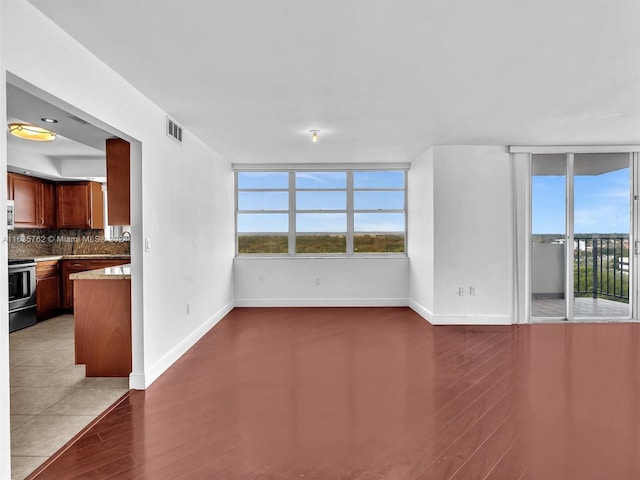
(118, 182)
(35, 203)
(24, 192)
(80, 205)
(40, 203)
(48, 204)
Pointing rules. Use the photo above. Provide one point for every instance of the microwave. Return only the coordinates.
(11, 218)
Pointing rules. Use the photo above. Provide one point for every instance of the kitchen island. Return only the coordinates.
(102, 314)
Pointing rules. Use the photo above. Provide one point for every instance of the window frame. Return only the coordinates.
(350, 211)
(295, 212)
(263, 212)
(355, 211)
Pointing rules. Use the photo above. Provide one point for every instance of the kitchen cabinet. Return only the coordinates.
(40, 203)
(104, 263)
(48, 296)
(34, 201)
(47, 204)
(81, 265)
(69, 267)
(80, 205)
(24, 192)
(102, 333)
(118, 154)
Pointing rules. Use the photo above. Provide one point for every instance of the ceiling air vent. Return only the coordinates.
(77, 119)
(174, 130)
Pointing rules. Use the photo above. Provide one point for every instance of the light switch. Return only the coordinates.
(147, 244)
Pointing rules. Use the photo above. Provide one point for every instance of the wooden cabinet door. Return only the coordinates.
(80, 205)
(47, 204)
(25, 193)
(73, 201)
(48, 296)
(69, 267)
(48, 300)
(96, 206)
(118, 182)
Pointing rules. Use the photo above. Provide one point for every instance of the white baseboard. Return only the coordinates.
(322, 302)
(420, 310)
(457, 319)
(136, 381)
(142, 381)
(472, 319)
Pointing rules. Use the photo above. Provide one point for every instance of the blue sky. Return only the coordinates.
(601, 203)
(329, 194)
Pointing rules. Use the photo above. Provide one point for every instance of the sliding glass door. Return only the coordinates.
(581, 230)
(549, 235)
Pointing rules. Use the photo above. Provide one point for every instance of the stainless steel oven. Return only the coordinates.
(22, 294)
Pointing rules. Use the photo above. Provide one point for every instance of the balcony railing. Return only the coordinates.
(601, 266)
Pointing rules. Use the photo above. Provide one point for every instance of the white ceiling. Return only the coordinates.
(76, 153)
(382, 80)
(25, 107)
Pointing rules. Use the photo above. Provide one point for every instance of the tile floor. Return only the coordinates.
(51, 399)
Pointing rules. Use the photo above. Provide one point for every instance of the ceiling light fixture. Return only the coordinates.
(314, 135)
(31, 132)
(49, 120)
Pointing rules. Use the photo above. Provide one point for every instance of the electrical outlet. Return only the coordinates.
(147, 244)
(472, 290)
(317, 280)
(461, 291)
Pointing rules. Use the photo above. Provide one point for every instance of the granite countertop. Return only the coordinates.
(121, 272)
(99, 256)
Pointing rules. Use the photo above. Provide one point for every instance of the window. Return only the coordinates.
(379, 212)
(321, 212)
(262, 219)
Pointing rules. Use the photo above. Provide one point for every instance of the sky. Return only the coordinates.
(601, 203)
(329, 193)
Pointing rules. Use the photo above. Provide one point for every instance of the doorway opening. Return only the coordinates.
(47, 375)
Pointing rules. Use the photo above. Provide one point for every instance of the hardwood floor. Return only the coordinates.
(370, 393)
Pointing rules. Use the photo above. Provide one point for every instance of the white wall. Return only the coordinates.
(5, 445)
(37, 163)
(41, 165)
(473, 230)
(342, 281)
(547, 269)
(420, 213)
(180, 194)
(82, 168)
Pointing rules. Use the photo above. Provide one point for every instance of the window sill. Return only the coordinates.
(363, 256)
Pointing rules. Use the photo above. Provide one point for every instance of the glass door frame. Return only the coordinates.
(522, 177)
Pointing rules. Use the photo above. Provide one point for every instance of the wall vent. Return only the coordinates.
(174, 130)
